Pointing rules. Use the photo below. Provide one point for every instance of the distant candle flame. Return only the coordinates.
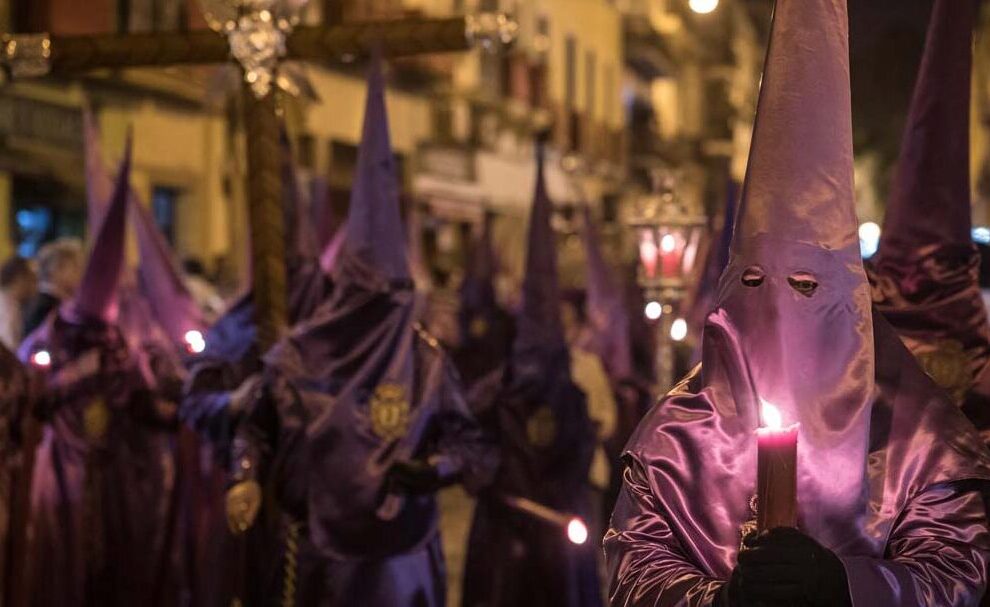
(41, 358)
(577, 531)
(771, 416)
(668, 243)
(195, 341)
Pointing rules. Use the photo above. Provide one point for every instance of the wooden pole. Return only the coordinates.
(267, 219)
(70, 55)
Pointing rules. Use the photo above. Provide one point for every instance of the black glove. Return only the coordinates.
(786, 567)
(415, 477)
(731, 593)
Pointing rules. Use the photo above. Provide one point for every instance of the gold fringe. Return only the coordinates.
(291, 564)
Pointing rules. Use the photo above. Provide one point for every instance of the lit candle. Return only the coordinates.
(670, 256)
(648, 254)
(776, 471)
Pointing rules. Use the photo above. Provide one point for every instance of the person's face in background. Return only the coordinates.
(68, 275)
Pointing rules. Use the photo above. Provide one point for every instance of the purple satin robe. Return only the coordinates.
(355, 389)
(917, 537)
(547, 441)
(101, 496)
(16, 402)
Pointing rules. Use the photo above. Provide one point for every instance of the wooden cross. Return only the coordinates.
(35, 55)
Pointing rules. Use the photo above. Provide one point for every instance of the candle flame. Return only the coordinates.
(771, 415)
(577, 531)
(41, 358)
(668, 243)
(195, 342)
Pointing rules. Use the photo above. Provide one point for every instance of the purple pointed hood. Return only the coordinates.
(161, 279)
(99, 185)
(477, 290)
(932, 179)
(375, 236)
(538, 322)
(607, 312)
(925, 274)
(301, 238)
(97, 294)
(360, 358)
(793, 326)
(716, 260)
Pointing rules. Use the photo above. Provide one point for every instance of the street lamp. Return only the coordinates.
(668, 234)
(703, 7)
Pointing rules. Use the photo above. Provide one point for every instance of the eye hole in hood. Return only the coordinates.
(804, 283)
(753, 276)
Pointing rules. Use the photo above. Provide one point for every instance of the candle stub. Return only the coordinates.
(776, 476)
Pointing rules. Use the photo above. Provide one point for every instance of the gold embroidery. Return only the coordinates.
(243, 503)
(478, 327)
(389, 412)
(541, 428)
(948, 366)
(96, 419)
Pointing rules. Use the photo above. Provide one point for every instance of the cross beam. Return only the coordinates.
(70, 55)
(33, 55)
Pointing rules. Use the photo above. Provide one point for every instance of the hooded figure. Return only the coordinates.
(222, 380)
(485, 329)
(889, 473)
(231, 354)
(716, 259)
(361, 420)
(925, 275)
(19, 398)
(547, 442)
(607, 313)
(100, 496)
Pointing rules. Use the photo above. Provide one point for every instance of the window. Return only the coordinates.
(164, 203)
(609, 93)
(570, 73)
(590, 67)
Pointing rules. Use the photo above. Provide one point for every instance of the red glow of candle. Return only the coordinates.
(670, 256)
(648, 255)
(776, 471)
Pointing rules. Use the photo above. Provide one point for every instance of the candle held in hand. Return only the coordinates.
(776, 476)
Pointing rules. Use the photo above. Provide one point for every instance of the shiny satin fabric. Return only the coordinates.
(17, 401)
(354, 390)
(917, 536)
(889, 472)
(334, 416)
(931, 296)
(925, 276)
(102, 506)
(547, 441)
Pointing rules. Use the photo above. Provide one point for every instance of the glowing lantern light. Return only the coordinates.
(679, 330)
(653, 310)
(668, 243)
(869, 239)
(195, 341)
(577, 531)
(703, 7)
(41, 358)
